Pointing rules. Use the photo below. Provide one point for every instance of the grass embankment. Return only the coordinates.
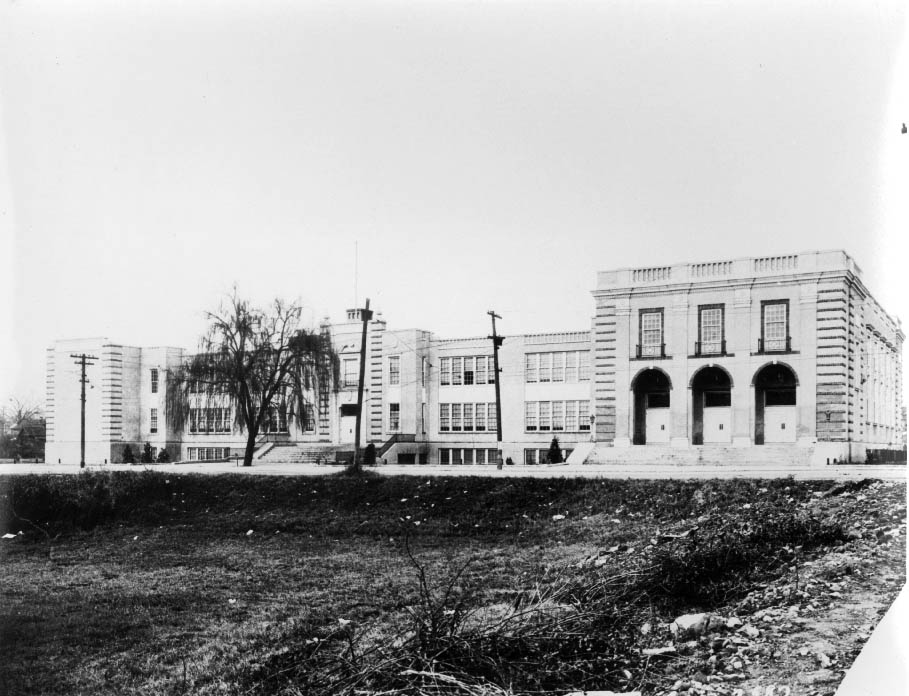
(152, 583)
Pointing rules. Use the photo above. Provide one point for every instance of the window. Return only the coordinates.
(457, 374)
(351, 372)
(584, 415)
(456, 417)
(444, 418)
(571, 366)
(775, 325)
(444, 456)
(545, 421)
(479, 421)
(492, 456)
(531, 367)
(480, 456)
(545, 367)
(445, 372)
(394, 370)
(154, 380)
(651, 332)
(468, 371)
(558, 415)
(467, 456)
(491, 378)
(309, 418)
(530, 416)
(571, 416)
(710, 330)
(530, 456)
(394, 418)
(558, 367)
(714, 399)
(468, 417)
(481, 370)
(584, 366)
(154, 421)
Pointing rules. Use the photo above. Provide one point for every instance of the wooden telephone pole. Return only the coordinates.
(83, 360)
(366, 315)
(496, 342)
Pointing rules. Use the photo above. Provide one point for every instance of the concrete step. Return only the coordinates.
(301, 454)
(776, 456)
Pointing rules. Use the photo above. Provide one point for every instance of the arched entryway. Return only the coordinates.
(711, 406)
(651, 389)
(775, 416)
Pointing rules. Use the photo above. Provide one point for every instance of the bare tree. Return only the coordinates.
(23, 429)
(259, 364)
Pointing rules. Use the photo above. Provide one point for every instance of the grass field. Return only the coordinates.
(151, 583)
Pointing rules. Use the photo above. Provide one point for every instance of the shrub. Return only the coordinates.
(147, 456)
(163, 456)
(128, 456)
(555, 452)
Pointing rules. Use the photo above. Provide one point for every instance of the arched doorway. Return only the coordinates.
(711, 406)
(651, 389)
(774, 404)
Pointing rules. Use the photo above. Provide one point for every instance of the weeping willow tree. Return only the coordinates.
(254, 367)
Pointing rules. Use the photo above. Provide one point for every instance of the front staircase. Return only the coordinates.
(775, 458)
(295, 453)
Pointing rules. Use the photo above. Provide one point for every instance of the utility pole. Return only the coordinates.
(496, 342)
(83, 360)
(366, 315)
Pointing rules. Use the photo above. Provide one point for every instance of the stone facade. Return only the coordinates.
(787, 350)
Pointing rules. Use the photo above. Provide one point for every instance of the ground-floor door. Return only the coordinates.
(348, 427)
(718, 424)
(779, 424)
(657, 425)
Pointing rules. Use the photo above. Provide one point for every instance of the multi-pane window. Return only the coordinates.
(456, 417)
(468, 371)
(710, 329)
(204, 420)
(444, 455)
(276, 420)
(775, 325)
(309, 418)
(153, 427)
(351, 372)
(467, 417)
(154, 380)
(201, 454)
(560, 366)
(394, 418)
(545, 367)
(471, 369)
(557, 416)
(651, 332)
(394, 370)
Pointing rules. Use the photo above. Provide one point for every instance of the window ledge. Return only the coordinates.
(711, 355)
(651, 358)
(776, 352)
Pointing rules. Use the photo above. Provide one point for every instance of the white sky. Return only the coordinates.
(482, 154)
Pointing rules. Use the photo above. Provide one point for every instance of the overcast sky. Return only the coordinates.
(479, 154)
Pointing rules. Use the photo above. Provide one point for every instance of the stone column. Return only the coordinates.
(678, 344)
(626, 339)
(741, 341)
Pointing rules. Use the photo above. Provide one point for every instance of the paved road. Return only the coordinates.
(835, 472)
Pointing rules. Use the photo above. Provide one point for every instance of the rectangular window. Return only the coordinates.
(481, 370)
(716, 399)
(558, 415)
(491, 373)
(479, 422)
(351, 372)
(558, 367)
(530, 416)
(651, 332)
(710, 329)
(456, 417)
(394, 418)
(584, 415)
(545, 367)
(444, 456)
(531, 367)
(468, 370)
(467, 456)
(530, 456)
(309, 418)
(571, 416)
(457, 371)
(445, 372)
(444, 418)
(480, 456)
(545, 420)
(492, 456)
(394, 370)
(571, 366)
(468, 417)
(154, 421)
(775, 329)
(584, 366)
(154, 380)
